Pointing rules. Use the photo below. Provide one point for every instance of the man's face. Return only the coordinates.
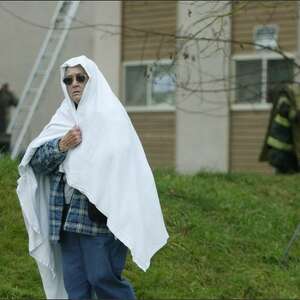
(75, 80)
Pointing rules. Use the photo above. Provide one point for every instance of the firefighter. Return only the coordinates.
(7, 99)
(279, 147)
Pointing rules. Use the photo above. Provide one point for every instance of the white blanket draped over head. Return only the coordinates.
(109, 166)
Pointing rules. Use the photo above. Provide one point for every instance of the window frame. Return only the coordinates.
(264, 57)
(148, 107)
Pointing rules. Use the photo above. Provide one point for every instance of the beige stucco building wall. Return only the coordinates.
(202, 117)
(107, 41)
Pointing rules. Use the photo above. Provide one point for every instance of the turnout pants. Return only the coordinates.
(94, 263)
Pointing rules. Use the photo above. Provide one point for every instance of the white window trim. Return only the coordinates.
(151, 108)
(251, 106)
(145, 108)
(261, 55)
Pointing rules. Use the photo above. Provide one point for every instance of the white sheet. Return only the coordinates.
(109, 167)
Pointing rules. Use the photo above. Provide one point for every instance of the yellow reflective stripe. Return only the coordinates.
(283, 99)
(279, 145)
(282, 121)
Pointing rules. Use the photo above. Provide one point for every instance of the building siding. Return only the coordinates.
(248, 129)
(157, 134)
(142, 20)
(247, 15)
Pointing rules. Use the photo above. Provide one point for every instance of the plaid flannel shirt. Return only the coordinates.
(46, 160)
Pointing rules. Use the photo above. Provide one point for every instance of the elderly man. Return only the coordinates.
(92, 258)
(87, 192)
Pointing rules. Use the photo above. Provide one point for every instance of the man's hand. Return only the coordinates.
(70, 140)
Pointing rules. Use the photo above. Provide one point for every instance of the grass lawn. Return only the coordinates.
(227, 235)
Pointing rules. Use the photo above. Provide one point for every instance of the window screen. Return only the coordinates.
(279, 71)
(163, 85)
(136, 85)
(248, 81)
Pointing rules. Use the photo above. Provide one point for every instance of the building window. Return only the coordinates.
(248, 81)
(256, 78)
(149, 84)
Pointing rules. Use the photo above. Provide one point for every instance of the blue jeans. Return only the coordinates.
(94, 263)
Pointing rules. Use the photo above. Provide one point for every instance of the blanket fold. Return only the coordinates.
(109, 167)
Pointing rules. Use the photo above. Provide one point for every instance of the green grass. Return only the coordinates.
(227, 235)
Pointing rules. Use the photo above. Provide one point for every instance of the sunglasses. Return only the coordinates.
(79, 78)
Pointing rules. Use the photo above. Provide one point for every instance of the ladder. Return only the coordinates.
(35, 85)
